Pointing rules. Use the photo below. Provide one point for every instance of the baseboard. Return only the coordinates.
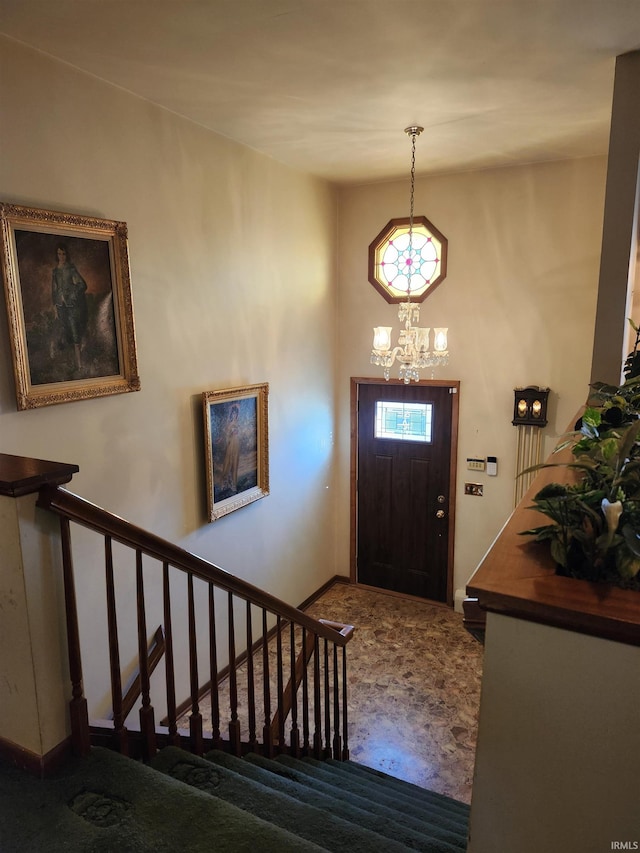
(38, 765)
(324, 588)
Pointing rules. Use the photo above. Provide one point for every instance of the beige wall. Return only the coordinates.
(557, 760)
(34, 673)
(232, 270)
(519, 300)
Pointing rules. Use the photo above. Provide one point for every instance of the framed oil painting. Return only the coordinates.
(68, 295)
(236, 432)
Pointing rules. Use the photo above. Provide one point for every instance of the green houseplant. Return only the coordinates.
(594, 532)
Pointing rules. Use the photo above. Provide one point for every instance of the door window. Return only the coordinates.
(403, 421)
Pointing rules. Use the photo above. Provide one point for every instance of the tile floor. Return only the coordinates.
(414, 687)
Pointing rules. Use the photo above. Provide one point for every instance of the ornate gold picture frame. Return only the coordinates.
(236, 429)
(68, 296)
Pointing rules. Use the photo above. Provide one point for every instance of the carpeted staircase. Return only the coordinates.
(186, 804)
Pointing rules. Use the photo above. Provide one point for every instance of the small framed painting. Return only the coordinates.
(236, 428)
(68, 296)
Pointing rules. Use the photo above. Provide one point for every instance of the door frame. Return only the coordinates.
(356, 381)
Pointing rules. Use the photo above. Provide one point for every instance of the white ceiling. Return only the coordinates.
(327, 86)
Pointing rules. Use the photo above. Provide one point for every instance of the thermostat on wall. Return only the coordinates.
(492, 465)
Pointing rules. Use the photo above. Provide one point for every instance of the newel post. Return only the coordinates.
(34, 668)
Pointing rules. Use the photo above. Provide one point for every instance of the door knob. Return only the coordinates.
(440, 513)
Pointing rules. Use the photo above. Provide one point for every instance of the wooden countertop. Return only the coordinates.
(517, 578)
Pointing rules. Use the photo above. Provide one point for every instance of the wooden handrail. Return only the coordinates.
(23, 475)
(344, 630)
(90, 515)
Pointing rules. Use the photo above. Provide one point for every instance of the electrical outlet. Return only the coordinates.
(476, 464)
(473, 489)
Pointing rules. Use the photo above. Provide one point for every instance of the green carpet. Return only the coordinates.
(391, 783)
(433, 817)
(180, 803)
(390, 806)
(110, 804)
(314, 824)
(418, 831)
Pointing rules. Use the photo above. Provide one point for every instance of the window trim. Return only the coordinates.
(384, 236)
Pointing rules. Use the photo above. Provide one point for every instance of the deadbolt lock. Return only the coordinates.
(441, 499)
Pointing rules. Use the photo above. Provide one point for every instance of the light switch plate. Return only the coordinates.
(473, 489)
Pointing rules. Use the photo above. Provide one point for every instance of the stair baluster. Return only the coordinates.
(305, 693)
(195, 720)
(234, 723)
(78, 710)
(317, 707)
(327, 704)
(345, 710)
(251, 693)
(174, 737)
(294, 734)
(267, 738)
(280, 682)
(147, 720)
(337, 741)
(119, 730)
(213, 671)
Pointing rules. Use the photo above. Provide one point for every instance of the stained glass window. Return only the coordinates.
(404, 421)
(395, 266)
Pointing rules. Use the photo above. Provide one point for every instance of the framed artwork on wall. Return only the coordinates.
(236, 429)
(68, 296)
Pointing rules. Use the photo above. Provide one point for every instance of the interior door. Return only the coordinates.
(404, 486)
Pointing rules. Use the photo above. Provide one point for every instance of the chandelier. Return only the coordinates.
(412, 351)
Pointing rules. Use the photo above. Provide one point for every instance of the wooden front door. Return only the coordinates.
(404, 486)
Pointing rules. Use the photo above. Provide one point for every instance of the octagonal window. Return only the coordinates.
(395, 268)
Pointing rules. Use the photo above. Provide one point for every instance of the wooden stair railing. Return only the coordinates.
(314, 700)
(300, 677)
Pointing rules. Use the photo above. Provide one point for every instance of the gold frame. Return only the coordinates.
(234, 477)
(38, 347)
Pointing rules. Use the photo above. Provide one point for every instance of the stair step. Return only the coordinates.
(382, 796)
(107, 802)
(334, 801)
(179, 801)
(452, 838)
(406, 789)
(333, 833)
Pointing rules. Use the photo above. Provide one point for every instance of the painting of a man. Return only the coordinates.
(67, 300)
(68, 290)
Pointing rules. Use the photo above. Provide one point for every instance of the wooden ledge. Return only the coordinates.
(21, 475)
(517, 578)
